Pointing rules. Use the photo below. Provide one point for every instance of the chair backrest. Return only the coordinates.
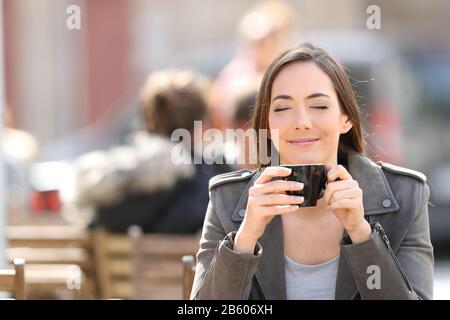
(13, 280)
(47, 236)
(188, 262)
(141, 266)
(51, 251)
(158, 272)
(113, 264)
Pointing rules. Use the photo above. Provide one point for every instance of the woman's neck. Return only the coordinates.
(312, 213)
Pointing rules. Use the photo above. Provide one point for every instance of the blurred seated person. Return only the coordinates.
(263, 32)
(144, 183)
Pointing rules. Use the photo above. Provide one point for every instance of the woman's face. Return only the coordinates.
(304, 108)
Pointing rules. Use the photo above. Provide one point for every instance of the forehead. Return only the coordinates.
(302, 78)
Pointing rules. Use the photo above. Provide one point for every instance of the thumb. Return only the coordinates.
(328, 166)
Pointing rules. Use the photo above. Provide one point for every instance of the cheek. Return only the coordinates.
(329, 125)
(280, 125)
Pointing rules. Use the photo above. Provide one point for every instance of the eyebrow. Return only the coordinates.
(317, 95)
(311, 96)
(283, 97)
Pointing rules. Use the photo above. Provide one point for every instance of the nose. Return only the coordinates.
(302, 119)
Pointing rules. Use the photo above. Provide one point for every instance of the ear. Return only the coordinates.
(346, 124)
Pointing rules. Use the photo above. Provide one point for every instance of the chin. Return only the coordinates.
(302, 160)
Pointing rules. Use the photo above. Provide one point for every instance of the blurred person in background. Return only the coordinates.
(19, 151)
(139, 184)
(263, 32)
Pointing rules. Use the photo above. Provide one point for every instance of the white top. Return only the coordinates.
(311, 282)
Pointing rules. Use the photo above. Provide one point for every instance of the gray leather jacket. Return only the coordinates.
(396, 205)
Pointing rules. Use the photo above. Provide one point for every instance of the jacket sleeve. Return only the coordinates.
(222, 273)
(407, 274)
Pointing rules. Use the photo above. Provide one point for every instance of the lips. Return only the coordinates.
(303, 140)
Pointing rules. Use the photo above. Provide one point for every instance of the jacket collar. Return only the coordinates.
(377, 199)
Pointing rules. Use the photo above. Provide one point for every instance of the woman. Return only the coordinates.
(367, 238)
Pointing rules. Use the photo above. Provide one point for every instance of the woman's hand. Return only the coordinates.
(266, 198)
(344, 198)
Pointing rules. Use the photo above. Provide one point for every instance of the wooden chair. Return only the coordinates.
(47, 236)
(53, 254)
(158, 273)
(113, 264)
(17, 218)
(188, 262)
(13, 280)
(141, 266)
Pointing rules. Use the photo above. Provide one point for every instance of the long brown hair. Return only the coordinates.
(353, 140)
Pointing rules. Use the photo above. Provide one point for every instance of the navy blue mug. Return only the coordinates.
(313, 177)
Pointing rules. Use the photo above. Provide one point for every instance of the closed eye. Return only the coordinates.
(319, 107)
(280, 109)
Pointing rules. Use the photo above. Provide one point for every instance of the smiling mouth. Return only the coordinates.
(303, 141)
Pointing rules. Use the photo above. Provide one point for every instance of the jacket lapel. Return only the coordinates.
(377, 199)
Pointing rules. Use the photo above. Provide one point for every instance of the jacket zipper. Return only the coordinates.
(385, 239)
